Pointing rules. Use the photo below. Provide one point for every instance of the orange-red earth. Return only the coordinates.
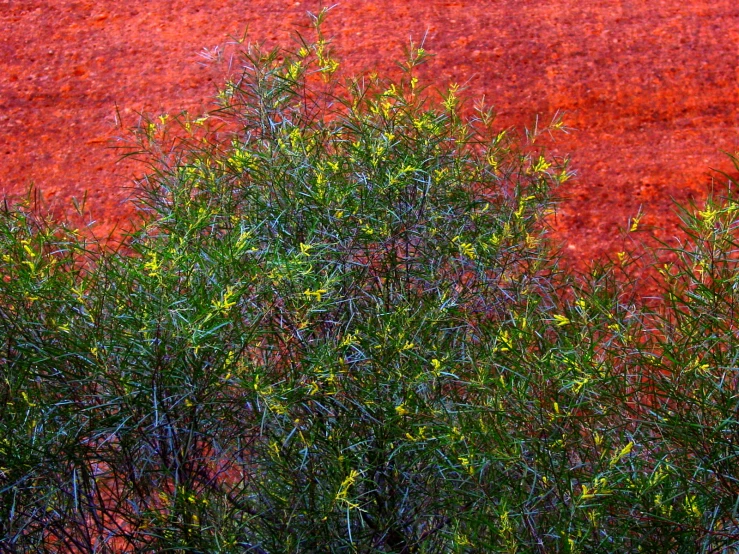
(650, 88)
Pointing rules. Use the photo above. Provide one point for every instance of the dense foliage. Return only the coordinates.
(339, 327)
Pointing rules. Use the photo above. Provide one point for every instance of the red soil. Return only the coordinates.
(651, 87)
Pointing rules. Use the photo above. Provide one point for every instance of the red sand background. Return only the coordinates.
(652, 87)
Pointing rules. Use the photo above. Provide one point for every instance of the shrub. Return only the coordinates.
(339, 327)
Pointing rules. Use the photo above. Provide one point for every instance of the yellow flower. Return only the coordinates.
(504, 341)
(505, 522)
(401, 410)
(451, 99)
(579, 384)
(24, 394)
(391, 91)
(599, 489)
(561, 320)
(343, 492)
(294, 70)
(436, 364)
(466, 464)
(708, 216)
(468, 250)
(624, 452)
(225, 303)
(315, 293)
(493, 162)
(691, 506)
(153, 265)
(541, 165)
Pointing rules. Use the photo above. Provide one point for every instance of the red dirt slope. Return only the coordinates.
(651, 87)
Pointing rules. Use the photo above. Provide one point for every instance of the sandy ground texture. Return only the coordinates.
(651, 88)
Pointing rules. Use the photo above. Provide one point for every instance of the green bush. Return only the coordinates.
(339, 327)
